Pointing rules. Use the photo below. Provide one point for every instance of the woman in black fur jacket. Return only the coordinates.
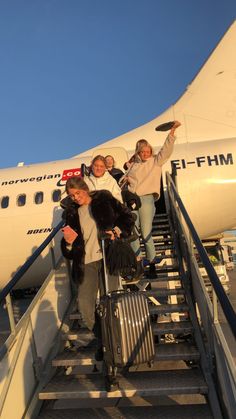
(88, 216)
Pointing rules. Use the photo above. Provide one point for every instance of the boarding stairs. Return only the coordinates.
(176, 370)
(182, 383)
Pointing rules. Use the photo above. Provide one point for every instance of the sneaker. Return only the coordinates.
(145, 262)
(157, 259)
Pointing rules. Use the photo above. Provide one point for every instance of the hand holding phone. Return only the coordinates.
(69, 234)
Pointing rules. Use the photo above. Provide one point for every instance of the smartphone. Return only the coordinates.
(69, 234)
(67, 229)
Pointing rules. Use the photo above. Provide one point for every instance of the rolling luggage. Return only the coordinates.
(127, 336)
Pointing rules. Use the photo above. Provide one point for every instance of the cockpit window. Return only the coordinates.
(4, 201)
(21, 200)
(38, 198)
(56, 195)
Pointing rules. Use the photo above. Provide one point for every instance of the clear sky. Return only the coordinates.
(75, 73)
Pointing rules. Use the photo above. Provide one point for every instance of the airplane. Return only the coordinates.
(204, 156)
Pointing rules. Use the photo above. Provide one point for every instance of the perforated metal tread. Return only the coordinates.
(193, 411)
(134, 384)
(168, 308)
(160, 278)
(164, 352)
(158, 329)
(172, 327)
(162, 292)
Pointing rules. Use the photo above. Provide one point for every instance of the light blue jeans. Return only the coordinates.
(144, 221)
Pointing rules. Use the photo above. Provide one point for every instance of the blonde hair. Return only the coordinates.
(139, 144)
(143, 143)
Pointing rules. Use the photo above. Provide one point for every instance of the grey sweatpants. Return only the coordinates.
(88, 291)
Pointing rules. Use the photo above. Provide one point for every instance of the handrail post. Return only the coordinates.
(215, 306)
(174, 174)
(52, 255)
(10, 313)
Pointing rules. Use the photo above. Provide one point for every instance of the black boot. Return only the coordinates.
(140, 270)
(99, 354)
(152, 271)
(111, 383)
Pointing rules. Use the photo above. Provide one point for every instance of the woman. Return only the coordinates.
(114, 171)
(100, 178)
(144, 179)
(88, 216)
(133, 158)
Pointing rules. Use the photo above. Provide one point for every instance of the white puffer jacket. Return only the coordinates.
(104, 182)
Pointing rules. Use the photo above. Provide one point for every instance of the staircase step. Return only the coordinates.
(158, 232)
(146, 384)
(161, 257)
(161, 278)
(164, 352)
(163, 240)
(168, 308)
(160, 214)
(158, 329)
(193, 411)
(163, 292)
(84, 336)
(160, 247)
(174, 328)
(161, 225)
(167, 268)
(163, 308)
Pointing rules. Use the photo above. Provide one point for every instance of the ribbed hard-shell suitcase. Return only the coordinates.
(126, 329)
(127, 336)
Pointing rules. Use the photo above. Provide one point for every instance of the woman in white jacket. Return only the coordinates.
(100, 178)
(144, 179)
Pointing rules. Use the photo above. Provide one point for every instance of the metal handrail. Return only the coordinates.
(24, 268)
(217, 286)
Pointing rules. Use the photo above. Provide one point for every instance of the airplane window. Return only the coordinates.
(38, 198)
(56, 195)
(4, 201)
(21, 200)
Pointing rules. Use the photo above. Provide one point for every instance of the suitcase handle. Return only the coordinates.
(105, 267)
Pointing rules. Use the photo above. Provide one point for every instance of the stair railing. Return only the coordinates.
(220, 357)
(6, 291)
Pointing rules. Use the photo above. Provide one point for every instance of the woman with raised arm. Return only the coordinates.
(144, 179)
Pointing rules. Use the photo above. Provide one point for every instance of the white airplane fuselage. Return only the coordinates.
(206, 175)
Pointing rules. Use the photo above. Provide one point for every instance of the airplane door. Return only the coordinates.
(119, 153)
(160, 204)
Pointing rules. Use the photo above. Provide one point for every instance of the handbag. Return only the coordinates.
(120, 258)
(131, 199)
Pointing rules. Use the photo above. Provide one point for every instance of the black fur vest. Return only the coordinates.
(107, 212)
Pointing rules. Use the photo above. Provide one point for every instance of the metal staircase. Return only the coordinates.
(193, 376)
(176, 377)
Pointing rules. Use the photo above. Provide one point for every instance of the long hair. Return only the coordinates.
(140, 144)
(76, 182)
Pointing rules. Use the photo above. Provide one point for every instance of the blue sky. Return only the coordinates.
(75, 73)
